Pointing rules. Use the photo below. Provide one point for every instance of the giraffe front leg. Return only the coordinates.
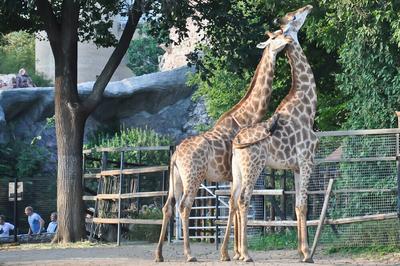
(243, 210)
(237, 238)
(185, 208)
(301, 209)
(304, 234)
(297, 188)
(244, 253)
(167, 213)
(224, 247)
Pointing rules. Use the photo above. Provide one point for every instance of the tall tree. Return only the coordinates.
(67, 22)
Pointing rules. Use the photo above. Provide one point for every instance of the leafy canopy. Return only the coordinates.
(352, 46)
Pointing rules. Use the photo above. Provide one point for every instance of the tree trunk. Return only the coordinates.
(70, 112)
(69, 129)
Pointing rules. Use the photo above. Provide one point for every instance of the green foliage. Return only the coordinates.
(365, 34)
(233, 30)
(281, 240)
(20, 159)
(143, 54)
(373, 250)
(149, 233)
(221, 90)
(352, 46)
(17, 51)
(133, 137)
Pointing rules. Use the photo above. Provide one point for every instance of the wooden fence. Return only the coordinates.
(135, 169)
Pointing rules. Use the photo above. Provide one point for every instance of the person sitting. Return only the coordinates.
(5, 227)
(52, 227)
(36, 223)
(23, 80)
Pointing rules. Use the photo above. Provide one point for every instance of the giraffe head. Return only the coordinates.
(276, 42)
(293, 21)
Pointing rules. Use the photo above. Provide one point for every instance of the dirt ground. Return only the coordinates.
(173, 253)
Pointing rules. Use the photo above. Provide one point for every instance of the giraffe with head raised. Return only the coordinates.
(291, 145)
(208, 156)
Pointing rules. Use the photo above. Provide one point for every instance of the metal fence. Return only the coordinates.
(364, 206)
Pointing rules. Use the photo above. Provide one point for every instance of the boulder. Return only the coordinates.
(161, 101)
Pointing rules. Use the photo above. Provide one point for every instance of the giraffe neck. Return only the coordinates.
(253, 106)
(302, 94)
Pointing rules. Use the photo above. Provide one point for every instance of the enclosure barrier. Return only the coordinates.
(365, 165)
(363, 206)
(117, 178)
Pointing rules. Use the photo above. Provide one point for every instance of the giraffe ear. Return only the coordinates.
(262, 45)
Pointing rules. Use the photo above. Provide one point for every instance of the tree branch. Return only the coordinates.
(70, 22)
(115, 59)
(52, 27)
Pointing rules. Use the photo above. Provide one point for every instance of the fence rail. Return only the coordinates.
(111, 184)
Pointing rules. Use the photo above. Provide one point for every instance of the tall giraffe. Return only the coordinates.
(208, 156)
(291, 145)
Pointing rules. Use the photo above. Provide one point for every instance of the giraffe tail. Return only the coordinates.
(252, 135)
(171, 190)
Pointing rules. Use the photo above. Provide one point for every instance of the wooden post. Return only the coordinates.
(171, 221)
(322, 217)
(138, 178)
(103, 167)
(216, 218)
(283, 197)
(119, 198)
(272, 209)
(398, 164)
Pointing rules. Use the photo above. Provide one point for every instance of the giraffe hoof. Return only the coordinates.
(308, 260)
(225, 258)
(236, 257)
(159, 259)
(191, 259)
(248, 259)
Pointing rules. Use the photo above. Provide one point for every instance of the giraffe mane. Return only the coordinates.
(246, 96)
(292, 91)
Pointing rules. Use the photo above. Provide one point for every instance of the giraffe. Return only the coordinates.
(291, 145)
(208, 156)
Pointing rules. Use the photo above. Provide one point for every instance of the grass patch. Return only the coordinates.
(371, 251)
(283, 240)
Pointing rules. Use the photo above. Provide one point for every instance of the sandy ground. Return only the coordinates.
(173, 253)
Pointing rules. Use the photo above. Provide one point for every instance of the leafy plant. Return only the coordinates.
(133, 137)
(280, 240)
(20, 159)
(143, 54)
(222, 89)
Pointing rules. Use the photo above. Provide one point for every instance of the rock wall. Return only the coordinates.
(176, 55)
(160, 101)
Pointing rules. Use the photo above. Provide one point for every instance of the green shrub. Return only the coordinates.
(222, 89)
(143, 54)
(20, 159)
(281, 240)
(133, 137)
